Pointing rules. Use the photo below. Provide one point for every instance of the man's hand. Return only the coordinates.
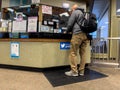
(65, 32)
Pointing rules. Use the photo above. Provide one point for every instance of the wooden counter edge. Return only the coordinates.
(34, 40)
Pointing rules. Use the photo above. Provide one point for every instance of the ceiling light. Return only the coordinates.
(66, 5)
(26, 6)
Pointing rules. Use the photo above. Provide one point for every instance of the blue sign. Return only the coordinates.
(64, 45)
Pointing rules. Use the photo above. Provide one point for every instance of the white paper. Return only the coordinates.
(57, 30)
(45, 28)
(50, 23)
(5, 23)
(14, 49)
(32, 24)
(19, 26)
(46, 9)
(65, 13)
(45, 22)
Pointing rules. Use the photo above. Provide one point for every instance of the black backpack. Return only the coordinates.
(88, 22)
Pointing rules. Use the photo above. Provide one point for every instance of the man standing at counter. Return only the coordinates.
(78, 42)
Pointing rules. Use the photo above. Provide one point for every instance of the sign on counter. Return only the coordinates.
(14, 46)
(64, 45)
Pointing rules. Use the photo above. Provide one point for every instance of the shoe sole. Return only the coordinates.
(71, 75)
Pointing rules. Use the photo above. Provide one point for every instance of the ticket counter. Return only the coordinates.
(39, 53)
(39, 34)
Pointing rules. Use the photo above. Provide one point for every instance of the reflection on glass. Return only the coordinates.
(117, 7)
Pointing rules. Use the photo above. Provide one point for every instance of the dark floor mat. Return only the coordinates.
(57, 77)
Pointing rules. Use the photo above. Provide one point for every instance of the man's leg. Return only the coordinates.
(73, 57)
(82, 52)
(75, 42)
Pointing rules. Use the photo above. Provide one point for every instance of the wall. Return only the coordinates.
(114, 30)
(82, 4)
(5, 3)
(15, 2)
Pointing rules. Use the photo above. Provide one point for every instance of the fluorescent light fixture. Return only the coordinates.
(118, 10)
(66, 5)
(25, 6)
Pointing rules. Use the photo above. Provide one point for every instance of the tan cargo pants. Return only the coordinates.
(78, 42)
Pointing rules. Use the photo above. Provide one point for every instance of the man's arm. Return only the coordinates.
(71, 22)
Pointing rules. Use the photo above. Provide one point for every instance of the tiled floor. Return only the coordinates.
(25, 80)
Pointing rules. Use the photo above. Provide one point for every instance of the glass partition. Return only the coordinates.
(117, 7)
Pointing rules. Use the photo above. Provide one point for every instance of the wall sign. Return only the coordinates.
(46, 9)
(14, 46)
(19, 26)
(64, 45)
(32, 24)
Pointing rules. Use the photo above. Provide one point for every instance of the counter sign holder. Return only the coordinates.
(14, 49)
